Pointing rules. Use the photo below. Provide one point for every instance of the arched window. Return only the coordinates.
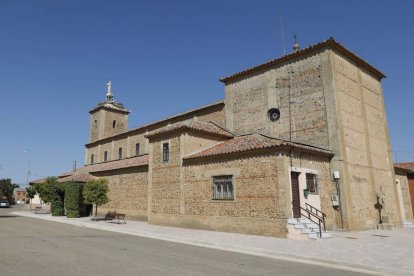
(114, 124)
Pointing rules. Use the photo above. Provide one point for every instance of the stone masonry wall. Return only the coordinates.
(106, 147)
(127, 142)
(94, 125)
(119, 143)
(165, 190)
(128, 192)
(121, 124)
(364, 146)
(256, 208)
(249, 99)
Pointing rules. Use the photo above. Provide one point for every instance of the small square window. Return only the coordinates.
(312, 183)
(223, 187)
(165, 152)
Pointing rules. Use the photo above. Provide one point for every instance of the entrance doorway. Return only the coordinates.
(294, 176)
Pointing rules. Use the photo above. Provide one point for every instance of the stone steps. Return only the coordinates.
(325, 235)
(305, 229)
(408, 224)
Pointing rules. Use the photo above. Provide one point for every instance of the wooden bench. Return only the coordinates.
(115, 216)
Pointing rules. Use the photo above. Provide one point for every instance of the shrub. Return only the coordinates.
(58, 196)
(72, 199)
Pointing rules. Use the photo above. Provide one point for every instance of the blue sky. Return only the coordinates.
(165, 57)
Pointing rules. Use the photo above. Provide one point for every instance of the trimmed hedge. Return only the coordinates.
(72, 199)
(57, 200)
(63, 197)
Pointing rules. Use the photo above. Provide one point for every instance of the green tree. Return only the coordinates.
(6, 188)
(31, 192)
(45, 190)
(53, 192)
(95, 192)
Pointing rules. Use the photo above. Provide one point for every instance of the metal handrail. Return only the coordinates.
(315, 217)
(319, 220)
(318, 213)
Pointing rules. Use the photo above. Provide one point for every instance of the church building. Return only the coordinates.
(304, 135)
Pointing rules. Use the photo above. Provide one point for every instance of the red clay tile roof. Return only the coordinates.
(136, 161)
(65, 174)
(405, 165)
(208, 128)
(247, 143)
(329, 43)
(38, 181)
(78, 177)
(83, 174)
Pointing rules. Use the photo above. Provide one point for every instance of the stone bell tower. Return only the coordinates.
(108, 118)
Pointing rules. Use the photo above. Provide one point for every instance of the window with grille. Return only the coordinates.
(105, 156)
(136, 149)
(165, 152)
(223, 187)
(120, 153)
(312, 183)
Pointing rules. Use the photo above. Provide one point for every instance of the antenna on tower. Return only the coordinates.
(282, 32)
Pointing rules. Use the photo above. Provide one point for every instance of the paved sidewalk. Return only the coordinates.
(379, 251)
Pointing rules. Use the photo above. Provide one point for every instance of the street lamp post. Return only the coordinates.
(28, 172)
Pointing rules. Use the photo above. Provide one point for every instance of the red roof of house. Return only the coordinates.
(208, 128)
(83, 174)
(135, 161)
(38, 181)
(247, 143)
(78, 177)
(405, 165)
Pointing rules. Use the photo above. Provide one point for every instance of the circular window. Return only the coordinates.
(274, 114)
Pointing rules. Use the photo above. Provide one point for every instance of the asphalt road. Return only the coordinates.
(37, 247)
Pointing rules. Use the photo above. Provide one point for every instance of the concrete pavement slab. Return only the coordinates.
(387, 252)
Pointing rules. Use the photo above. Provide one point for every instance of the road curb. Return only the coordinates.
(373, 270)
